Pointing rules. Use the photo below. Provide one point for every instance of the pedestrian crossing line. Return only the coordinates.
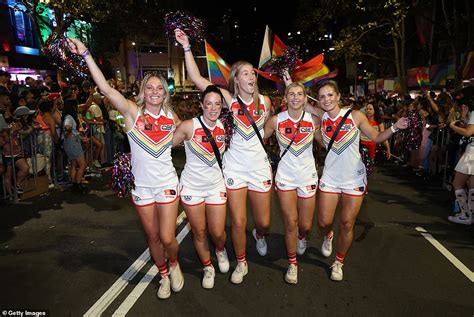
(128, 303)
(114, 291)
(458, 264)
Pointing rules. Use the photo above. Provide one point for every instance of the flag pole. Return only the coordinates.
(207, 62)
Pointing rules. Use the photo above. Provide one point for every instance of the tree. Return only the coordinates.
(372, 30)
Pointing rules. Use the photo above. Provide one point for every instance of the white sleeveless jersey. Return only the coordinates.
(297, 166)
(150, 144)
(245, 152)
(201, 171)
(343, 164)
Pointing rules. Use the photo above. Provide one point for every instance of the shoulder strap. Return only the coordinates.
(339, 126)
(294, 135)
(213, 142)
(252, 122)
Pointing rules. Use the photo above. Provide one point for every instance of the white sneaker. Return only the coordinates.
(300, 246)
(326, 248)
(223, 261)
(240, 271)
(96, 164)
(261, 243)
(176, 277)
(291, 276)
(208, 278)
(164, 291)
(461, 218)
(336, 271)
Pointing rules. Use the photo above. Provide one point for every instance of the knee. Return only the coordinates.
(199, 235)
(346, 226)
(291, 225)
(153, 239)
(239, 224)
(217, 235)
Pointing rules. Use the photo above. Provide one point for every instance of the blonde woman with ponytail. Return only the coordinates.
(245, 163)
(150, 124)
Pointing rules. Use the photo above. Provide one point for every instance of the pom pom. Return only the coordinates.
(57, 49)
(365, 156)
(414, 134)
(286, 61)
(192, 26)
(228, 121)
(123, 180)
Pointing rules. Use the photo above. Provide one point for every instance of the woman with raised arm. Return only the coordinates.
(202, 189)
(344, 176)
(245, 163)
(296, 177)
(150, 124)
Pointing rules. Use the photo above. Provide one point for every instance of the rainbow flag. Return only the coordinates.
(422, 78)
(308, 73)
(218, 69)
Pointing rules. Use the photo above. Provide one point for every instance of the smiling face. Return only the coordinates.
(211, 106)
(154, 92)
(329, 99)
(246, 79)
(295, 97)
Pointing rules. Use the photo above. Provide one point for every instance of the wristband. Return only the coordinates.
(393, 129)
(86, 53)
(187, 48)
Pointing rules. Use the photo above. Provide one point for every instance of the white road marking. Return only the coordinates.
(143, 284)
(458, 264)
(111, 294)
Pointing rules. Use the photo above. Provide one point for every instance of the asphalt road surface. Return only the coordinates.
(74, 255)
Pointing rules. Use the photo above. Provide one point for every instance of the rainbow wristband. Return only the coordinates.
(187, 48)
(86, 53)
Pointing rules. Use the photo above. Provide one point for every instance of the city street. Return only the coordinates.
(73, 255)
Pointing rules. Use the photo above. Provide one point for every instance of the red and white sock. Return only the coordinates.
(207, 263)
(173, 262)
(292, 258)
(163, 270)
(340, 257)
(241, 258)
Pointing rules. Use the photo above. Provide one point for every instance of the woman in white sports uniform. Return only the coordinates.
(344, 177)
(150, 123)
(202, 188)
(245, 163)
(296, 177)
(464, 175)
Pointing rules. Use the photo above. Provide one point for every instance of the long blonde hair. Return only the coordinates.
(166, 105)
(234, 88)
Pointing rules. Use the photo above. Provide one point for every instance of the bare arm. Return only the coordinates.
(433, 104)
(192, 68)
(270, 127)
(468, 131)
(126, 107)
(183, 132)
(317, 130)
(366, 128)
(386, 143)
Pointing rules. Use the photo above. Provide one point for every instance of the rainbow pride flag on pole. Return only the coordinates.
(308, 73)
(218, 69)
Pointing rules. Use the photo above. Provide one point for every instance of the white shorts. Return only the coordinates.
(304, 191)
(145, 196)
(257, 181)
(193, 197)
(358, 188)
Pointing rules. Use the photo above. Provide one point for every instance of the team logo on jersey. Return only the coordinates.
(136, 198)
(281, 185)
(223, 194)
(240, 112)
(267, 183)
(360, 189)
(166, 127)
(230, 181)
(187, 198)
(148, 126)
(322, 185)
(205, 139)
(288, 130)
(170, 192)
(306, 130)
(220, 138)
(257, 113)
(328, 128)
(311, 188)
